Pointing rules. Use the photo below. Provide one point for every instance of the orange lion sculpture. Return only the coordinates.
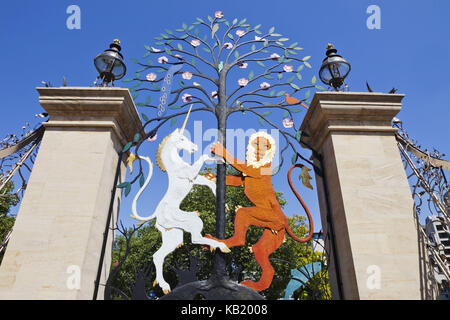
(256, 178)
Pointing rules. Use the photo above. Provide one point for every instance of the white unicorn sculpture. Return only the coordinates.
(170, 219)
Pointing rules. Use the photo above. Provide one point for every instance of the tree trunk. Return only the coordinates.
(219, 263)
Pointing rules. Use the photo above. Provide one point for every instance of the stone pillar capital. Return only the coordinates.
(95, 107)
(349, 112)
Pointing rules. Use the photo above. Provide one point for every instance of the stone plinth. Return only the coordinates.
(55, 246)
(370, 203)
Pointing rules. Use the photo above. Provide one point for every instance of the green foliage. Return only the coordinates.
(7, 200)
(148, 239)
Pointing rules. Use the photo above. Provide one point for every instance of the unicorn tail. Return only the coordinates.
(135, 215)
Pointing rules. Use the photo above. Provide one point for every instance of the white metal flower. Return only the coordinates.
(228, 45)
(288, 123)
(186, 97)
(288, 68)
(242, 65)
(215, 95)
(195, 42)
(258, 38)
(242, 82)
(240, 33)
(218, 14)
(274, 56)
(152, 139)
(187, 75)
(156, 50)
(163, 60)
(264, 85)
(151, 76)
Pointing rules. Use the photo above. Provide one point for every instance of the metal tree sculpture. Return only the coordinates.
(205, 62)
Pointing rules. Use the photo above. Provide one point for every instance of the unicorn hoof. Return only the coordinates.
(197, 213)
(141, 223)
(155, 282)
(166, 291)
(212, 249)
(275, 232)
(225, 250)
(250, 249)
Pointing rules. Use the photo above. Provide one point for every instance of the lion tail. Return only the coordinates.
(310, 220)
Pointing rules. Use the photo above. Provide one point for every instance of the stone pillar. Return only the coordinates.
(58, 233)
(369, 199)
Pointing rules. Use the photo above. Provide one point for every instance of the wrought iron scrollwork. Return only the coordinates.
(430, 192)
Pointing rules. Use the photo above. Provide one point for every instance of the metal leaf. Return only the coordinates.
(127, 147)
(127, 190)
(305, 177)
(144, 116)
(123, 185)
(214, 30)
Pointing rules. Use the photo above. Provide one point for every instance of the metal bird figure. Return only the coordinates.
(292, 100)
(393, 90)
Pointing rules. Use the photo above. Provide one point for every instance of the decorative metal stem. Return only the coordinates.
(108, 221)
(219, 268)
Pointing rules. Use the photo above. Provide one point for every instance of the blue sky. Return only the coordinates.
(409, 52)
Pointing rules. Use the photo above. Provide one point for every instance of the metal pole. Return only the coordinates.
(330, 228)
(219, 268)
(108, 221)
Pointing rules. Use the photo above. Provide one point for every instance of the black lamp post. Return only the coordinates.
(334, 69)
(109, 64)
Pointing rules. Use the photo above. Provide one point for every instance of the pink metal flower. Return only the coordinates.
(151, 76)
(264, 85)
(242, 82)
(152, 139)
(288, 68)
(195, 42)
(187, 75)
(242, 65)
(288, 123)
(275, 56)
(218, 14)
(215, 95)
(186, 98)
(240, 33)
(228, 45)
(163, 60)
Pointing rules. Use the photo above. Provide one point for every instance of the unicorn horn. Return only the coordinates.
(185, 120)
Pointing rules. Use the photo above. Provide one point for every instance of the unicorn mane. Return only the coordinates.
(159, 161)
